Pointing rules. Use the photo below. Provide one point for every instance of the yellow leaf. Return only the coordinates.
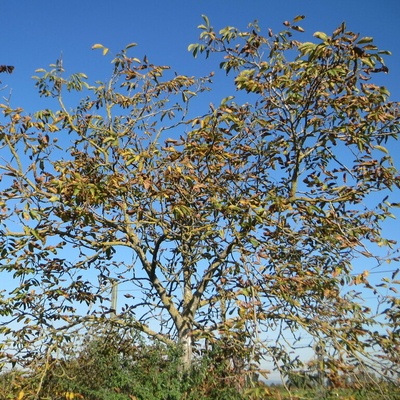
(381, 148)
(297, 28)
(321, 35)
(299, 18)
(100, 46)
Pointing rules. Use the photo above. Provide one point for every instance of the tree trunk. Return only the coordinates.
(185, 340)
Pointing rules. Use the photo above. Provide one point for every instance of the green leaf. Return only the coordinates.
(226, 99)
(366, 39)
(100, 46)
(192, 47)
(206, 20)
(195, 49)
(384, 91)
(386, 52)
(307, 47)
(321, 35)
(368, 61)
(254, 242)
(381, 148)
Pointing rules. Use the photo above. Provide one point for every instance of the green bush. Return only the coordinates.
(110, 369)
(121, 365)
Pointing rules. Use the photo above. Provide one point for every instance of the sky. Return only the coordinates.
(36, 33)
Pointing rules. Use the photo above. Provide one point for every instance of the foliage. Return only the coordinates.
(120, 365)
(240, 222)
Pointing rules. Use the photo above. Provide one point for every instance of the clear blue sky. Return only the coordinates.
(35, 33)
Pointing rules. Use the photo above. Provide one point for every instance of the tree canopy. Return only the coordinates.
(237, 223)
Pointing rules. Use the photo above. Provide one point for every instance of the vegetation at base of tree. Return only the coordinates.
(233, 225)
(121, 365)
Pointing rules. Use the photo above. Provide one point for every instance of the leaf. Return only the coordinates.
(368, 61)
(206, 20)
(384, 91)
(386, 52)
(366, 39)
(340, 29)
(130, 45)
(254, 242)
(100, 46)
(370, 47)
(297, 28)
(195, 48)
(226, 99)
(381, 148)
(321, 35)
(298, 18)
